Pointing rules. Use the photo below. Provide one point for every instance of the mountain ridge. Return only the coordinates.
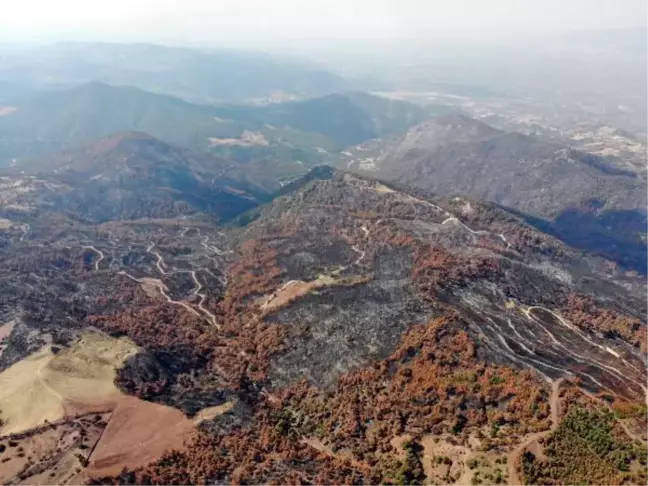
(569, 190)
(62, 119)
(130, 174)
(193, 74)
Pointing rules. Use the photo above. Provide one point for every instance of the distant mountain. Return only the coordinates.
(577, 196)
(196, 75)
(338, 120)
(133, 175)
(65, 118)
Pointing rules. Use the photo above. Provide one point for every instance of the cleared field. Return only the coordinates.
(292, 290)
(38, 388)
(7, 327)
(56, 385)
(138, 433)
(210, 413)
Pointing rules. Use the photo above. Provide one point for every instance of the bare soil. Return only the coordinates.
(138, 433)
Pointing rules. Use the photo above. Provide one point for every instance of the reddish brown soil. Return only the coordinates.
(126, 432)
(138, 433)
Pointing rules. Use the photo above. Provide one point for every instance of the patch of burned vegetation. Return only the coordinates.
(307, 260)
(432, 383)
(336, 329)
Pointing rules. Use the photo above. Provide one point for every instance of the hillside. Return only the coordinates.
(375, 319)
(349, 331)
(60, 119)
(302, 130)
(133, 175)
(343, 118)
(573, 195)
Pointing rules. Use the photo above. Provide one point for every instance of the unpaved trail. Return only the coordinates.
(210, 316)
(629, 432)
(25, 229)
(162, 289)
(360, 252)
(160, 261)
(605, 368)
(39, 375)
(572, 327)
(213, 248)
(513, 458)
(456, 220)
(161, 266)
(101, 256)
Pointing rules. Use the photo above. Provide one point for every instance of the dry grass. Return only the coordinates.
(37, 388)
(26, 400)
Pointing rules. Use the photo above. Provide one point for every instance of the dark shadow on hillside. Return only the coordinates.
(614, 234)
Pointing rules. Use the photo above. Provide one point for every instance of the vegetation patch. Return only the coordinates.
(587, 448)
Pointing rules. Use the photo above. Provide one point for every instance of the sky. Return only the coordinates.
(254, 23)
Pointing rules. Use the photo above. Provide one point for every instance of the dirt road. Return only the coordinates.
(514, 457)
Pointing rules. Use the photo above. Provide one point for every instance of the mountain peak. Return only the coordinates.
(459, 123)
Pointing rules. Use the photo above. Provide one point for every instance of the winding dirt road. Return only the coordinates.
(203, 297)
(101, 256)
(456, 220)
(161, 266)
(162, 289)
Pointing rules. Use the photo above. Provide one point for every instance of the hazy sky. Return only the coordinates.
(255, 22)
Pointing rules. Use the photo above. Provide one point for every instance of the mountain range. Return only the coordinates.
(202, 76)
(134, 175)
(59, 119)
(576, 196)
